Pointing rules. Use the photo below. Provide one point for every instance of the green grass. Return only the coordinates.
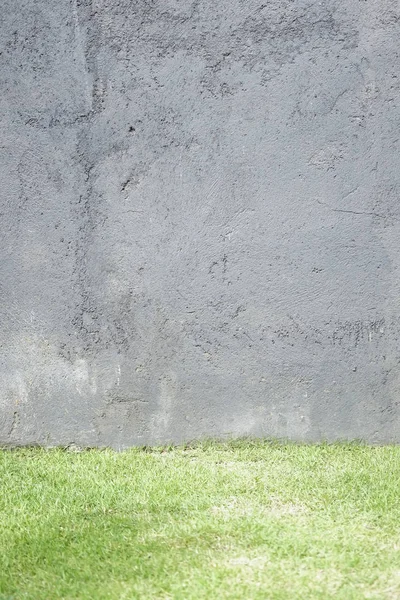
(245, 520)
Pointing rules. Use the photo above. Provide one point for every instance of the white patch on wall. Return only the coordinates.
(84, 381)
(166, 400)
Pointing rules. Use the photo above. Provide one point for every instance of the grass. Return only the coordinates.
(245, 520)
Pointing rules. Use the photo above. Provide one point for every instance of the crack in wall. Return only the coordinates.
(87, 208)
(351, 212)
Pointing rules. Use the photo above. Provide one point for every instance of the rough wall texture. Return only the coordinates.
(200, 220)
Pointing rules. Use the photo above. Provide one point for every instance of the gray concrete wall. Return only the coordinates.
(200, 220)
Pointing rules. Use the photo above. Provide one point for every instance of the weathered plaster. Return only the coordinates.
(200, 220)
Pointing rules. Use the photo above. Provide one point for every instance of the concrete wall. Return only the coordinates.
(200, 220)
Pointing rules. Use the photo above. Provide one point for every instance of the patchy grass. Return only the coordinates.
(244, 520)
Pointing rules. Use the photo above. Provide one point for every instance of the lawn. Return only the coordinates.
(241, 520)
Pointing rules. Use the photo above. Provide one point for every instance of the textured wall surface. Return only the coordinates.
(200, 220)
